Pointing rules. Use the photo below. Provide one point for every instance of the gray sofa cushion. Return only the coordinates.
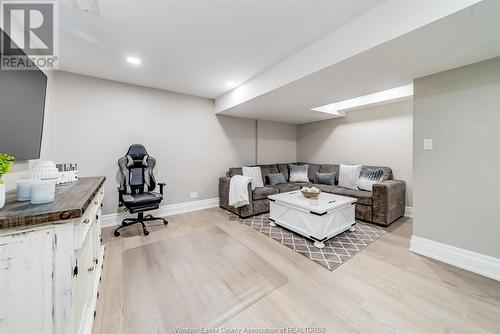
(283, 168)
(275, 179)
(289, 186)
(325, 187)
(364, 197)
(313, 169)
(302, 184)
(266, 170)
(263, 192)
(234, 171)
(325, 178)
(331, 168)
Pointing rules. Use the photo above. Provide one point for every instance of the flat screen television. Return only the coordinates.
(22, 106)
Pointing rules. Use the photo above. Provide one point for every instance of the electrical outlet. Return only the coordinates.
(194, 194)
(428, 144)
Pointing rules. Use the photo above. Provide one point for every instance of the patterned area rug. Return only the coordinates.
(337, 250)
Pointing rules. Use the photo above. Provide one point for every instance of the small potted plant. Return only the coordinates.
(6, 162)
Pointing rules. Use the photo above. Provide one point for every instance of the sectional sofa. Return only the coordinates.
(383, 205)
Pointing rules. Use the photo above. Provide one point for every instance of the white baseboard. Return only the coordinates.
(477, 263)
(114, 219)
(409, 211)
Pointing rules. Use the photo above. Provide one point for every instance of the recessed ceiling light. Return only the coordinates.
(230, 84)
(134, 60)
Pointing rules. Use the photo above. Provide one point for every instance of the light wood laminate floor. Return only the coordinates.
(383, 289)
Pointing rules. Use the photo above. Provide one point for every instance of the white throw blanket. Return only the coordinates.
(238, 190)
(256, 174)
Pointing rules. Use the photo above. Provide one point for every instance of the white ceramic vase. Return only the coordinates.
(2, 195)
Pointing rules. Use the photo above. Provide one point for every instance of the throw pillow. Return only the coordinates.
(349, 176)
(275, 179)
(368, 177)
(298, 173)
(255, 174)
(325, 178)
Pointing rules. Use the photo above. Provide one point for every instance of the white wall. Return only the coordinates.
(94, 121)
(380, 135)
(457, 189)
(276, 142)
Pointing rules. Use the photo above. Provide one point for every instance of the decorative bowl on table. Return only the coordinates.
(312, 192)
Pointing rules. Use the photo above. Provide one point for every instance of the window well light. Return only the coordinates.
(384, 96)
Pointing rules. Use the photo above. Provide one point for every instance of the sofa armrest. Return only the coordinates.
(224, 183)
(388, 201)
(224, 186)
(225, 179)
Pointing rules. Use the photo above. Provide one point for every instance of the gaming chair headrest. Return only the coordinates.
(137, 156)
(137, 151)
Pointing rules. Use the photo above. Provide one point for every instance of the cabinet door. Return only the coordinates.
(26, 269)
(83, 284)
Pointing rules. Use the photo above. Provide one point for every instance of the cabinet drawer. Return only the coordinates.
(100, 196)
(83, 225)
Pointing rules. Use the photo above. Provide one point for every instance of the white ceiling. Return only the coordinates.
(465, 37)
(194, 46)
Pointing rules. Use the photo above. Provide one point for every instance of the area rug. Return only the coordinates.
(337, 250)
(198, 279)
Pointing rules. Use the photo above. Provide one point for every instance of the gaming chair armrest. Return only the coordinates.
(120, 196)
(161, 187)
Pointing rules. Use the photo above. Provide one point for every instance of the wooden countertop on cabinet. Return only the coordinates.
(51, 259)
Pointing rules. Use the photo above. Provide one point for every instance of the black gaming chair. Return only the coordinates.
(136, 191)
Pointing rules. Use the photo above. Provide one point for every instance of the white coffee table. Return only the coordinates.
(332, 215)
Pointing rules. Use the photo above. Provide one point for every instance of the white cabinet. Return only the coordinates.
(49, 274)
(26, 264)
